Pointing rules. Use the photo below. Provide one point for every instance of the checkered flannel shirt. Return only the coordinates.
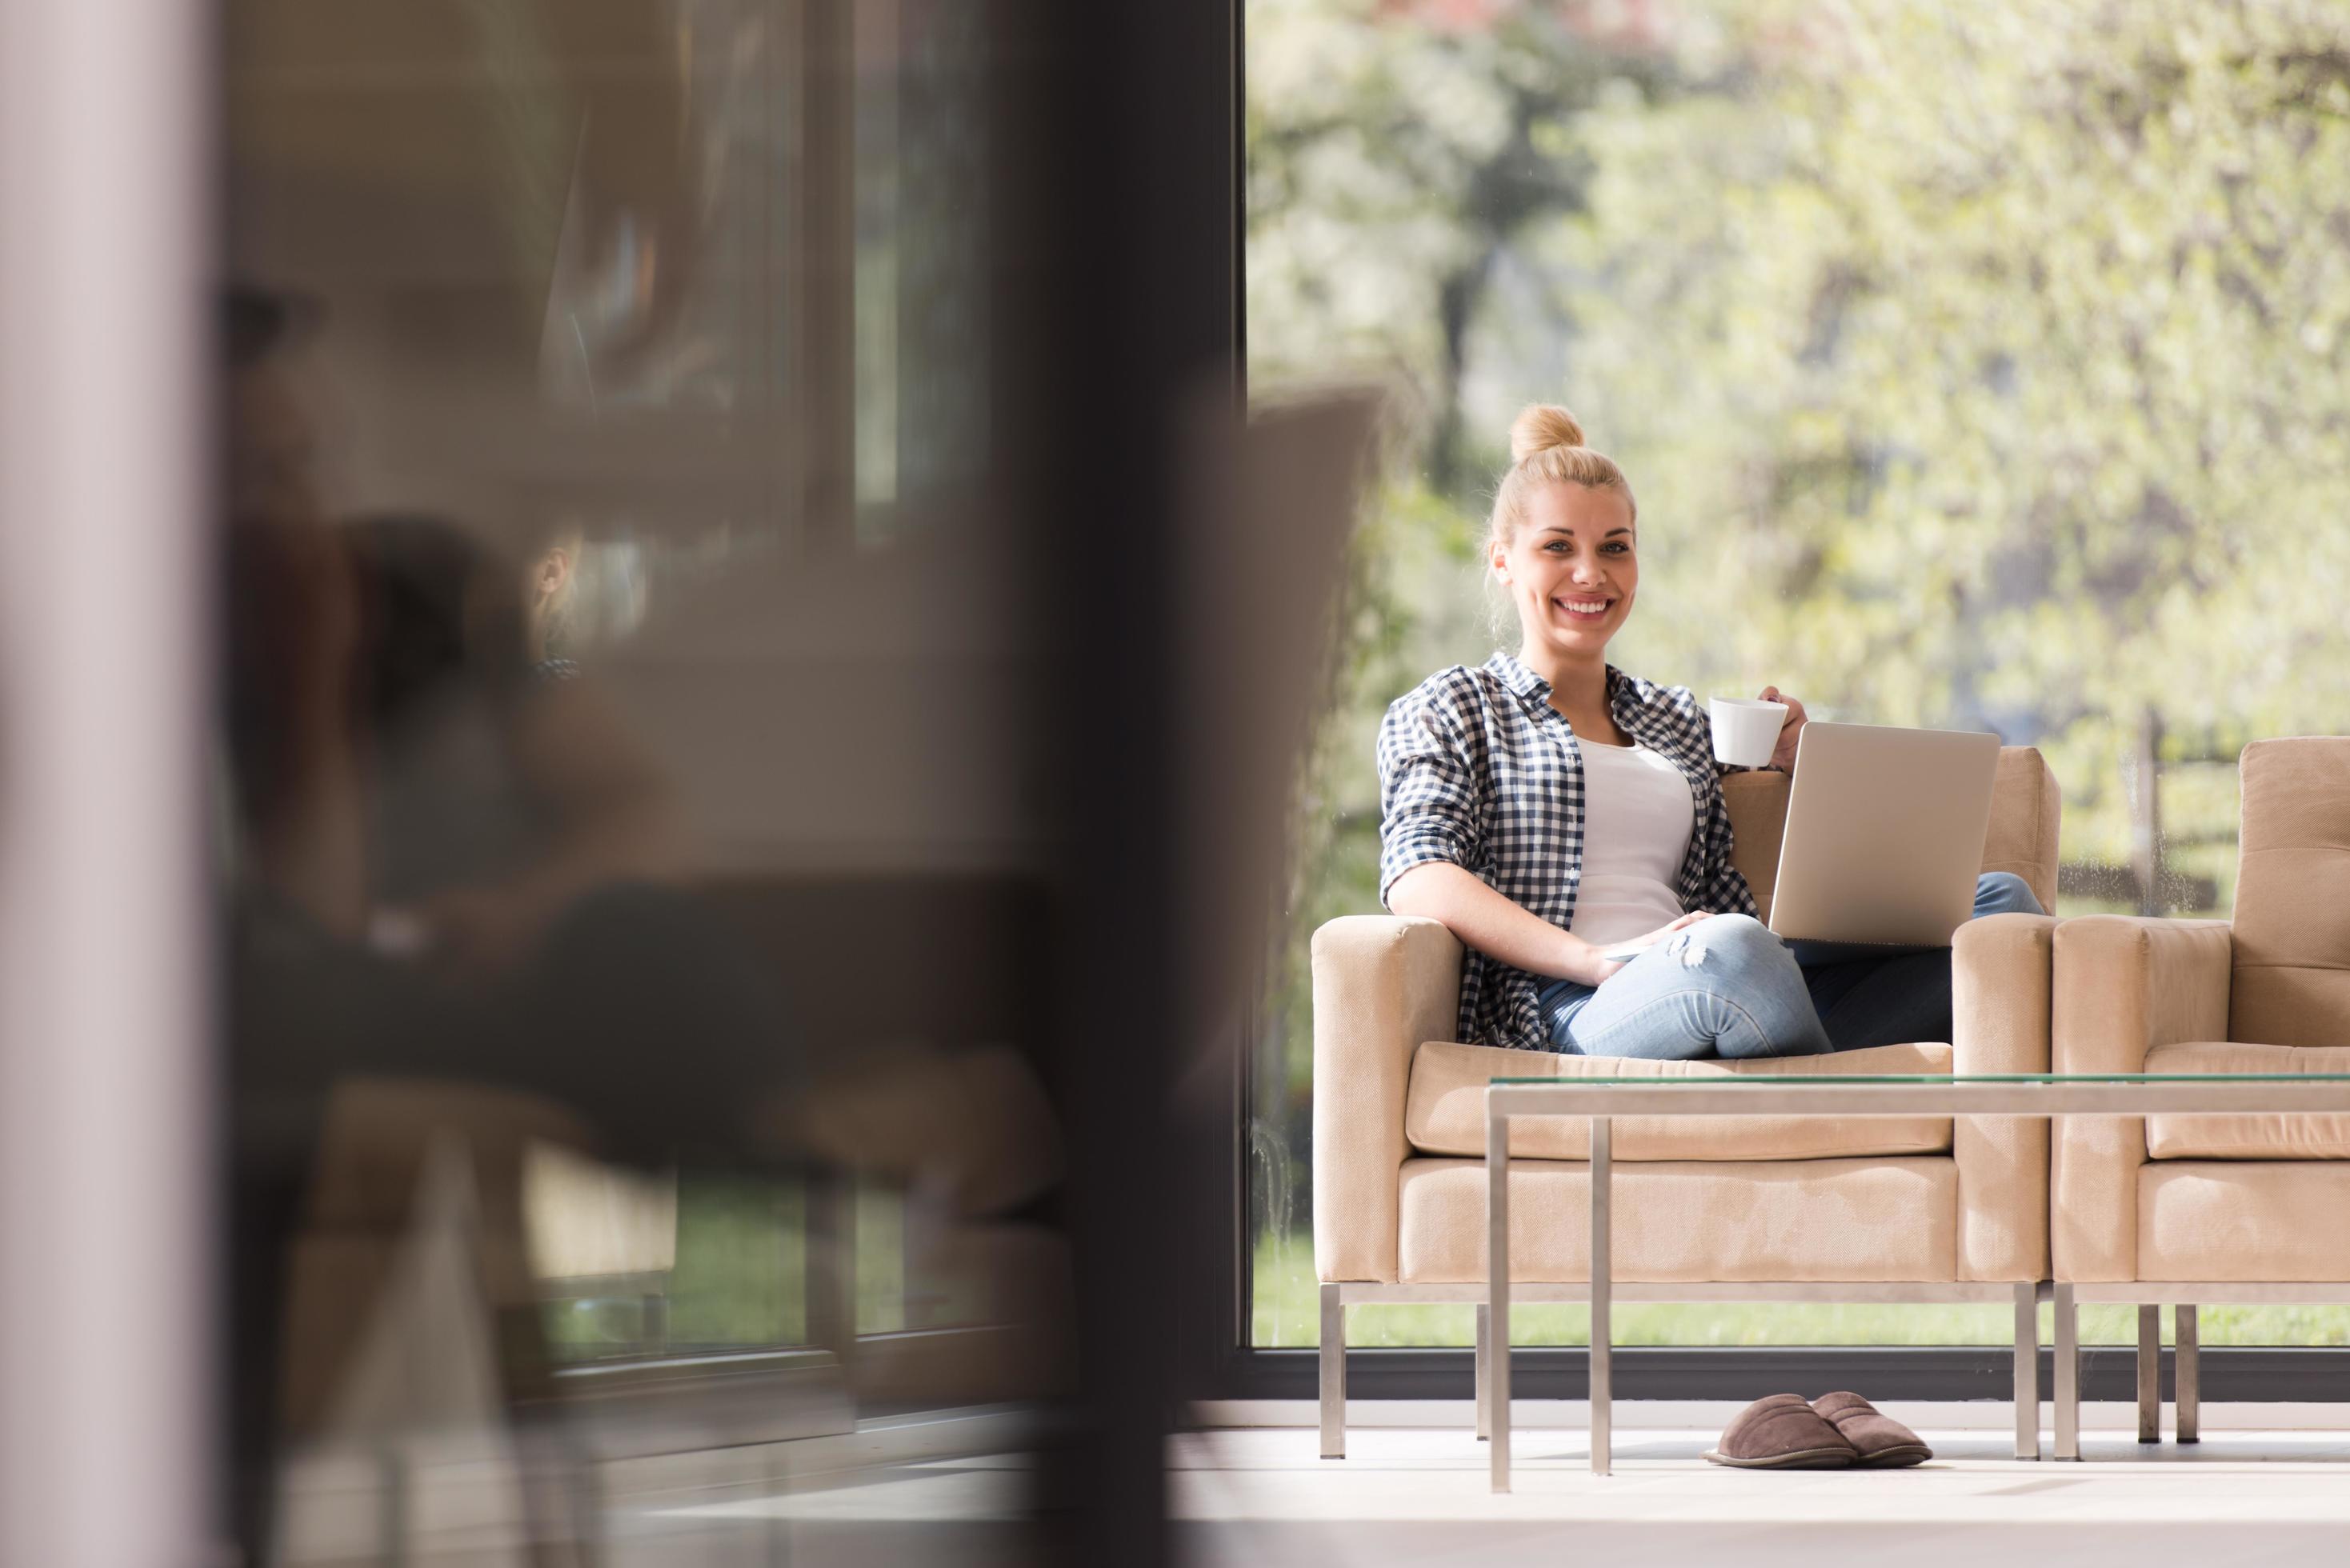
(1478, 769)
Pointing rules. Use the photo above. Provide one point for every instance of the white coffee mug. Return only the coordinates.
(1746, 730)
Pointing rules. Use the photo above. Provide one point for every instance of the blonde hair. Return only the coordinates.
(1547, 447)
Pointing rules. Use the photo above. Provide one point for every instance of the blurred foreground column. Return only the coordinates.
(105, 1303)
(1128, 133)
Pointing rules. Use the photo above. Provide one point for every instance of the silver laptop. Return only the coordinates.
(1885, 835)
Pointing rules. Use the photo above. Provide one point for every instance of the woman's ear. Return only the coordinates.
(554, 571)
(1497, 556)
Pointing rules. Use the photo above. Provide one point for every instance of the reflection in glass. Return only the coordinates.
(633, 945)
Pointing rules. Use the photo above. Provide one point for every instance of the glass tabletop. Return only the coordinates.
(1781, 1079)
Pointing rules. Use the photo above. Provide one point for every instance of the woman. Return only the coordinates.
(444, 860)
(1551, 810)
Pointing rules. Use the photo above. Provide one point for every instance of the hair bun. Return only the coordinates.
(1539, 427)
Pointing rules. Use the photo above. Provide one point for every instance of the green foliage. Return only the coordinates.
(1989, 361)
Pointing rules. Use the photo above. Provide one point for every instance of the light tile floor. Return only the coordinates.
(1413, 1497)
(958, 1493)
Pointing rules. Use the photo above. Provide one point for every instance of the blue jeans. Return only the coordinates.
(1728, 987)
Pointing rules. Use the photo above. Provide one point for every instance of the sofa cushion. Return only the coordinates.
(1445, 1110)
(1680, 1221)
(2239, 1219)
(2247, 1138)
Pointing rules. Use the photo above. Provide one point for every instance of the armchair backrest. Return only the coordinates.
(2291, 980)
(2025, 809)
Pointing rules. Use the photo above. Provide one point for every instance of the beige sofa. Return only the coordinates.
(2186, 1210)
(1762, 1208)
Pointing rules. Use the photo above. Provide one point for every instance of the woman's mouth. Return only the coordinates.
(1585, 609)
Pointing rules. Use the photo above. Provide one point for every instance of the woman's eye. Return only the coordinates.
(1618, 549)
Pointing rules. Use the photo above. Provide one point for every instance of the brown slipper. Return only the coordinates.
(1882, 1442)
(1783, 1433)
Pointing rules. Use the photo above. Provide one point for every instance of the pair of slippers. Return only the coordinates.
(1832, 1432)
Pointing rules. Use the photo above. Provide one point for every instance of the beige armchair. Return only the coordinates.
(1749, 1209)
(2186, 1210)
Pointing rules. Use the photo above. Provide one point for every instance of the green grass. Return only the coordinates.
(1287, 1313)
(741, 1261)
(741, 1267)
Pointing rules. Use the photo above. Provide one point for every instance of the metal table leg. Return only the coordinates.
(2068, 1375)
(2027, 1371)
(2150, 1373)
(1497, 1287)
(2188, 1374)
(1484, 1372)
(1602, 1335)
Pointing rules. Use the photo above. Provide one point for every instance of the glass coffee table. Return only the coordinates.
(2050, 1095)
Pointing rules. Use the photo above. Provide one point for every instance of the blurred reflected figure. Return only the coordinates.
(505, 788)
(450, 859)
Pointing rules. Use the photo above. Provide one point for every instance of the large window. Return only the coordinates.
(1976, 366)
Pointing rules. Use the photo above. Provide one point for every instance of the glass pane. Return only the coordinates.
(1936, 416)
(593, 368)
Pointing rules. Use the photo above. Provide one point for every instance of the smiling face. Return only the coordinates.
(1571, 569)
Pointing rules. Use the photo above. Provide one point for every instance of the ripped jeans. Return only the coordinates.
(1728, 987)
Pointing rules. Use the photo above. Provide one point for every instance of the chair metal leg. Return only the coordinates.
(2068, 1375)
(1497, 1292)
(830, 1280)
(1484, 1372)
(2150, 1373)
(2188, 1374)
(2027, 1371)
(1333, 1375)
(1603, 1332)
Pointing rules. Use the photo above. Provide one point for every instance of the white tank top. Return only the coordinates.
(1636, 831)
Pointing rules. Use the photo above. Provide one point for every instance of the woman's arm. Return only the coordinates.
(1496, 926)
(617, 816)
(615, 821)
(1432, 792)
(1502, 928)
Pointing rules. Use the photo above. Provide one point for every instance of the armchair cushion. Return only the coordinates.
(2242, 1219)
(2292, 894)
(2247, 1138)
(1683, 1221)
(1445, 1113)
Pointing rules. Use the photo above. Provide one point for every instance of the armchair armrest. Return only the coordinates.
(1382, 984)
(2123, 984)
(2000, 981)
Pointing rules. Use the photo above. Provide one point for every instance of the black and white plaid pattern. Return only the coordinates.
(1478, 769)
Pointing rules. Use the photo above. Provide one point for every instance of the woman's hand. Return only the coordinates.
(1608, 967)
(467, 933)
(1790, 729)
